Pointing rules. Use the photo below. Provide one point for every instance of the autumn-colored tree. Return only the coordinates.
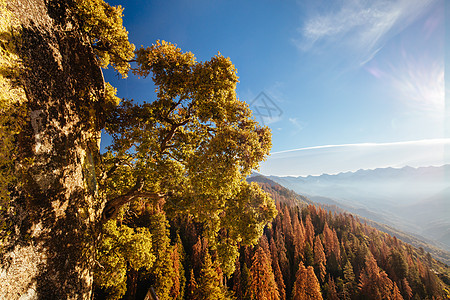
(299, 239)
(374, 283)
(406, 289)
(287, 226)
(396, 295)
(331, 292)
(263, 285)
(306, 284)
(299, 290)
(319, 259)
(179, 280)
(285, 265)
(309, 230)
(279, 279)
(192, 286)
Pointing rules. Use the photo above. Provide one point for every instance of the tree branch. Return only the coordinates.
(112, 206)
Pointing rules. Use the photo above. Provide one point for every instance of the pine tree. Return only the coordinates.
(285, 265)
(192, 287)
(306, 285)
(209, 283)
(263, 285)
(374, 283)
(312, 285)
(309, 230)
(331, 293)
(406, 289)
(299, 239)
(309, 255)
(287, 226)
(396, 295)
(162, 273)
(319, 259)
(299, 290)
(279, 279)
(349, 284)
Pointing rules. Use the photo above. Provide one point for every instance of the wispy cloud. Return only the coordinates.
(296, 125)
(334, 159)
(359, 26)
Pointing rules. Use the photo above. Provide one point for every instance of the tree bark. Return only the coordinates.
(56, 211)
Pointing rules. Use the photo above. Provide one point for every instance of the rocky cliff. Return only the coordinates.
(54, 210)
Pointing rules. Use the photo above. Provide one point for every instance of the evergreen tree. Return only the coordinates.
(263, 285)
(246, 281)
(192, 287)
(319, 259)
(406, 289)
(162, 273)
(331, 293)
(349, 284)
(306, 285)
(209, 283)
(396, 295)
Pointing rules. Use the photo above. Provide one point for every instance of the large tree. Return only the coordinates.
(185, 151)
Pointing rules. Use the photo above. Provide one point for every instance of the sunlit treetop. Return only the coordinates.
(193, 145)
(103, 24)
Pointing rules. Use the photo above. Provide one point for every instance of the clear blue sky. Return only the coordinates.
(331, 72)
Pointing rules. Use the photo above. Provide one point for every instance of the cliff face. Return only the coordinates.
(56, 209)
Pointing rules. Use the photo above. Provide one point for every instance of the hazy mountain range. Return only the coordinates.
(414, 200)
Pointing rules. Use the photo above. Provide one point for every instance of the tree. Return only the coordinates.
(122, 248)
(209, 285)
(374, 283)
(306, 285)
(319, 259)
(188, 151)
(349, 288)
(331, 292)
(263, 285)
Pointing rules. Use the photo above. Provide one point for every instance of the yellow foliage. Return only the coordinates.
(104, 26)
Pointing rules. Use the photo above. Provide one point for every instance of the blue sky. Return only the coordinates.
(344, 72)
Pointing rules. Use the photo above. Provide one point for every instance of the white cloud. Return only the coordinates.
(361, 26)
(297, 126)
(332, 159)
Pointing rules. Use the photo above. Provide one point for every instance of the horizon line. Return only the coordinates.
(356, 170)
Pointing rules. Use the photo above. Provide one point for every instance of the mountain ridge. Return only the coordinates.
(380, 219)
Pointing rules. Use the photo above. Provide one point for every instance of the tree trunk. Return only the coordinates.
(56, 210)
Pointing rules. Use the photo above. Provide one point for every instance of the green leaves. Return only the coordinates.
(122, 247)
(195, 144)
(103, 25)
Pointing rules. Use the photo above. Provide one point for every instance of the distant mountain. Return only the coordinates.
(285, 196)
(415, 200)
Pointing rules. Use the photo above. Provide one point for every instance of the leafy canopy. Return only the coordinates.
(194, 145)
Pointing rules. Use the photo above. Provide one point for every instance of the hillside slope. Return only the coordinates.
(414, 200)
